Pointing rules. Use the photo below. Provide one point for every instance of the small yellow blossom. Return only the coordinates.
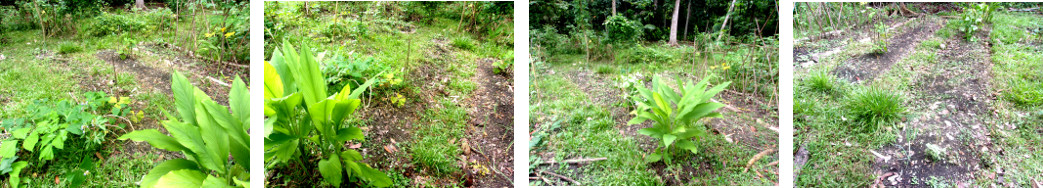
(208, 35)
(223, 29)
(229, 34)
(725, 67)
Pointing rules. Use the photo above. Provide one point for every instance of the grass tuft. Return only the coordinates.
(821, 81)
(873, 107)
(68, 48)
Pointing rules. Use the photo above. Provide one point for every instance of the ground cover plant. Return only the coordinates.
(612, 103)
(949, 104)
(388, 94)
(75, 76)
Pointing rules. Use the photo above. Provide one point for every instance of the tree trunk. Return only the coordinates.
(139, 4)
(687, 16)
(613, 7)
(673, 22)
(828, 17)
(726, 16)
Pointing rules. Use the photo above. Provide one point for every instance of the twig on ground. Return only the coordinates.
(757, 157)
(215, 80)
(562, 177)
(574, 161)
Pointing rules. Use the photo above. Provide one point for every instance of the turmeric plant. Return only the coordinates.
(675, 115)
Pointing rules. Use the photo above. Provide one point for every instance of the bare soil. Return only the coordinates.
(868, 66)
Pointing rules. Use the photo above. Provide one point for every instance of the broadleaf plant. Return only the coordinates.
(296, 105)
(212, 137)
(675, 114)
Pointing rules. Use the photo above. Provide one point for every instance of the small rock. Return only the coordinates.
(893, 180)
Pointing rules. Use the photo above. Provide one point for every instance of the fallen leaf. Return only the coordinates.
(355, 146)
(390, 148)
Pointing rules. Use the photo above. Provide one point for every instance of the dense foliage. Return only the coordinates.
(300, 112)
(212, 137)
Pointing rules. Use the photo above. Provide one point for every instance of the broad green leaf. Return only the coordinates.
(47, 153)
(16, 171)
(214, 182)
(330, 170)
(239, 102)
(351, 155)
(375, 177)
(189, 137)
(30, 142)
(273, 87)
(215, 139)
(653, 157)
(342, 109)
(241, 154)
(669, 139)
(23, 132)
(181, 178)
(243, 184)
(350, 133)
(152, 177)
(8, 148)
(184, 97)
(154, 138)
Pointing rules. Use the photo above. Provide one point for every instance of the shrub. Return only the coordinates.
(505, 65)
(339, 28)
(68, 48)
(621, 30)
(112, 24)
(293, 77)
(676, 115)
(212, 137)
(872, 107)
(880, 40)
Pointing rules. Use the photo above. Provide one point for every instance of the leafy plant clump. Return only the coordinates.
(212, 137)
(974, 16)
(620, 29)
(112, 24)
(298, 113)
(506, 63)
(68, 48)
(821, 81)
(676, 115)
(51, 123)
(880, 41)
(872, 107)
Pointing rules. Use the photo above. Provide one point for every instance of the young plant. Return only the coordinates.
(212, 137)
(676, 114)
(880, 41)
(290, 79)
(505, 64)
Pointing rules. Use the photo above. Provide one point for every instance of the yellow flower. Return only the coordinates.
(223, 29)
(112, 100)
(229, 34)
(208, 35)
(726, 67)
(713, 67)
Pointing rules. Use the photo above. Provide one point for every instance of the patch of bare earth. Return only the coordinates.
(810, 50)
(489, 143)
(869, 66)
(953, 112)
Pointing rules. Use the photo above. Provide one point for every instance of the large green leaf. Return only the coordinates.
(241, 154)
(30, 141)
(350, 133)
(184, 97)
(375, 177)
(152, 177)
(16, 171)
(8, 148)
(181, 178)
(273, 87)
(330, 169)
(23, 132)
(189, 137)
(154, 138)
(239, 102)
(215, 182)
(215, 139)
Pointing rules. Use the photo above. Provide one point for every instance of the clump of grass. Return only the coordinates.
(68, 48)
(464, 43)
(1025, 92)
(603, 69)
(873, 107)
(821, 81)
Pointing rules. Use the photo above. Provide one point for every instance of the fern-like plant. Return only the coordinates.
(291, 78)
(676, 114)
(207, 133)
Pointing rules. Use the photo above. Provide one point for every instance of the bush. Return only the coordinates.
(872, 107)
(68, 48)
(345, 28)
(621, 30)
(112, 24)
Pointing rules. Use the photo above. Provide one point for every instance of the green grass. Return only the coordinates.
(438, 141)
(872, 107)
(821, 81)
(464, 43)
(69, 47)
(1017, 66)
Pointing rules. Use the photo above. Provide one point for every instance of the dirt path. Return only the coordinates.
(869, 66)
(952, 111)
(490, 128)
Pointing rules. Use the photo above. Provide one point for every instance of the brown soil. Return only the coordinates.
(868, 66)
(954, 98)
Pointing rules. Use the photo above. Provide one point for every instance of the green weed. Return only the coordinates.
(463, 43)
(872, 107)
(821, 81)
(438, 143)
(68, 48)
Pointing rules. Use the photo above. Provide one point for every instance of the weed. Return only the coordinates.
(605, 69)
(873, 107)
(438, 144)
(821, 81)
(463, 43)
(68, 48)
(880, 41)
